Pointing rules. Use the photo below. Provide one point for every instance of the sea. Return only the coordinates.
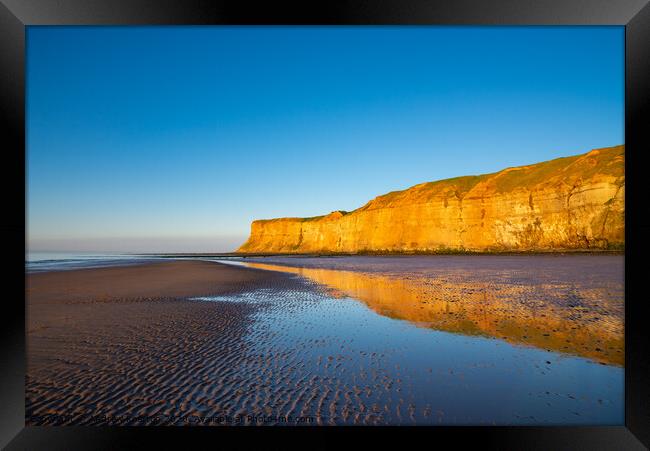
(62, 261)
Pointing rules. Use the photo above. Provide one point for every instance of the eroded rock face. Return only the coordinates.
(567, 203)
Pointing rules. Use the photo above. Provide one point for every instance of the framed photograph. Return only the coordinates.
(408, 219)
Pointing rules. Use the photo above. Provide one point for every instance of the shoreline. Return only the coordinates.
(381, 253)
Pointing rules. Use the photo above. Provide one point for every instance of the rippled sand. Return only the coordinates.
(258, 347)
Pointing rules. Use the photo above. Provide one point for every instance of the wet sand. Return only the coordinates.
(582, 319)
(124, 341)
(191, 342)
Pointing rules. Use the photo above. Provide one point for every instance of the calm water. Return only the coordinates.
(446, 339)
(61, 261)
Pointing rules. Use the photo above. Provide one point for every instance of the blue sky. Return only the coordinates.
(176, 138)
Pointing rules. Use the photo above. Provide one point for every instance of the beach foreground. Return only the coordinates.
(121, 341)
(456, 340)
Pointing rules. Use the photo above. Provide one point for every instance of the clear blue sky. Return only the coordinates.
(176, 138)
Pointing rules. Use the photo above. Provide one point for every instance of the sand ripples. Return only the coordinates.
(289, 350)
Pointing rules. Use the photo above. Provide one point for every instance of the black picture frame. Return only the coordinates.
(15, 15)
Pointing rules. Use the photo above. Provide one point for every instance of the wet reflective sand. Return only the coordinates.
(555, 305)
(456, 340)
(335, 341)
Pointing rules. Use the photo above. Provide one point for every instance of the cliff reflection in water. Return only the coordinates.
(586, 323)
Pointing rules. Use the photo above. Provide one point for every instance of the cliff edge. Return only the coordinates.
(568, 203)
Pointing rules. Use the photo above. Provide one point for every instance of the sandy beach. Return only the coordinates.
(432, 341)
(121, 341)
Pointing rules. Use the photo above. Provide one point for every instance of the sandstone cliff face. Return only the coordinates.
(567, 203)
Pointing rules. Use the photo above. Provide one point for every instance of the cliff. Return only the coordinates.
(568, 203)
